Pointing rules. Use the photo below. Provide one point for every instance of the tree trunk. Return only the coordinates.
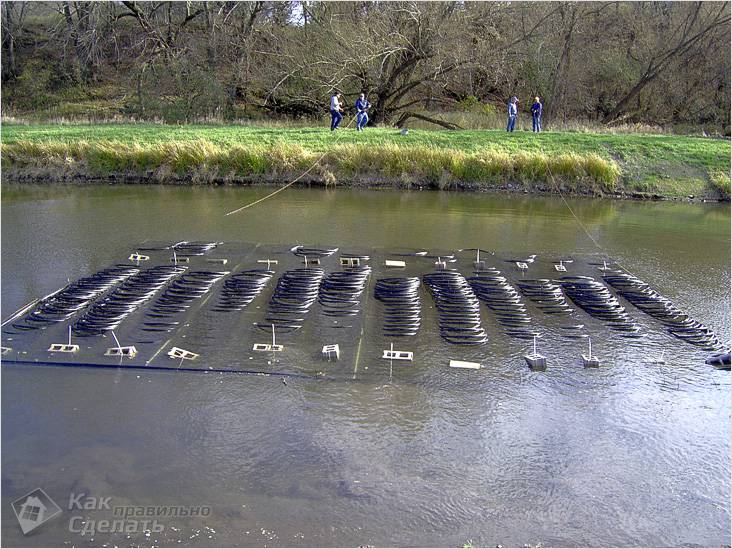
(78, 31)
(620, 107)
(9, 68)
(556, 93)
(407, 115)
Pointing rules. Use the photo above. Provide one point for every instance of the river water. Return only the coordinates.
(631, 454)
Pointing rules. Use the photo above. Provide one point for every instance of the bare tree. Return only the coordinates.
(692, 24)
(12, 14)
(610, 61)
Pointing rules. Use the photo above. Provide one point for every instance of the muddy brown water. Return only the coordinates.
(629, 454)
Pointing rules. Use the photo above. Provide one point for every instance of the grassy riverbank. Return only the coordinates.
(664, 165)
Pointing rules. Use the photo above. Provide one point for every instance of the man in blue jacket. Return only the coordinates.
(512, 113)
(536, 111)
(362, 106)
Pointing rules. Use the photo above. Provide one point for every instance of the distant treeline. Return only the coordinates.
(661, 63)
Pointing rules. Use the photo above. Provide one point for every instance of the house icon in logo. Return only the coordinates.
(34, 509)
(31, 513)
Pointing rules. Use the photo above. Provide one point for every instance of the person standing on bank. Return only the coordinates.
(512, 113)
(362, 106)
(536, 112)
(335, 111)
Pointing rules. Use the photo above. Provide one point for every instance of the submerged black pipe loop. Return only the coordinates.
(458, 307)
(108, 313)
(645, 298)
(399, 297)
(503, 300)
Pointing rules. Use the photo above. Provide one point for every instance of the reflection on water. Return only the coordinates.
(630, 454)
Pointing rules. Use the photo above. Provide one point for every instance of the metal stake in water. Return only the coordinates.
(660, 359)
(116, 341)
(391, 361)
(589, 342)
(534, 344)
(119, 346)
(477, 256)
(175, 257)
(69, 335)
(274, 355)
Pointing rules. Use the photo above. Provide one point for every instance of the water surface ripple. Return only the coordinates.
(630, 454)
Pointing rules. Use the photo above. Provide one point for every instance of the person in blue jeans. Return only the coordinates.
(512, 113)
(335, 111)
(536, 111)
(362, 106)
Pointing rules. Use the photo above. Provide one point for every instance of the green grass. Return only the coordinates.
(669, 165)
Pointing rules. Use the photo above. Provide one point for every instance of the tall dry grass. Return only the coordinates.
(432, 166)
(721, 181)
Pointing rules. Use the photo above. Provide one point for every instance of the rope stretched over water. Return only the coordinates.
(291, 183)
(582, 225)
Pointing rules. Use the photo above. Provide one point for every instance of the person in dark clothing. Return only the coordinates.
(536, 111)
(335, 111)
(362, 106)
(512, 113)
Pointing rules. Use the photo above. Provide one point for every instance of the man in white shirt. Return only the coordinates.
(335, 111)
